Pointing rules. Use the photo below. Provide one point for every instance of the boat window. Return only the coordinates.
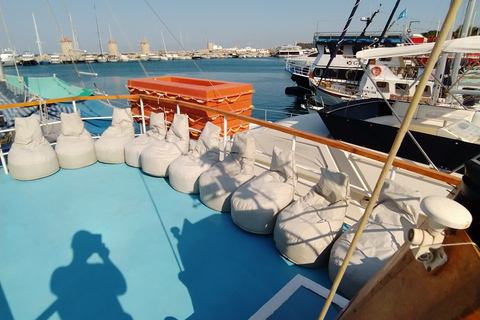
(351, 74)
(401, 88)
(318, 72)
(383, 86)
(427, 91)
(385, 59)
(333, 73)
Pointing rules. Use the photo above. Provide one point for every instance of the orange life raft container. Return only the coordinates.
(227, 96)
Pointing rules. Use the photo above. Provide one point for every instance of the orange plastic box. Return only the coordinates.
(228, 96)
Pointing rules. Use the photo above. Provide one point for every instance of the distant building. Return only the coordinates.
(67, 47)
(145, 47)
(112, 48)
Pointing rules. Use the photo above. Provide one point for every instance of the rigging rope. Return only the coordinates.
(340, 40)
(181, 45)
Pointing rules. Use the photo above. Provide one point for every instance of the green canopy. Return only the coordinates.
(48, 87)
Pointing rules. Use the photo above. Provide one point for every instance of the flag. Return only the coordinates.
(403, 14)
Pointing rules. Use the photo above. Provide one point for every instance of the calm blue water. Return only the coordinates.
(267, 75)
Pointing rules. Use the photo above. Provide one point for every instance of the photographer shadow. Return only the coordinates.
(87, 290)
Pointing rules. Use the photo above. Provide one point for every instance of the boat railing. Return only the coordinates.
(292, 67)
(294, 133)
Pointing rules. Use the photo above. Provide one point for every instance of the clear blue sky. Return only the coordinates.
(241, 23)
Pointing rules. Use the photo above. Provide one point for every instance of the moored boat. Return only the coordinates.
(288, 51)
(374, 122)
(8, 57)
(185, 232)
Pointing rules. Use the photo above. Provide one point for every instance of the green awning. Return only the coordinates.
(49, 87)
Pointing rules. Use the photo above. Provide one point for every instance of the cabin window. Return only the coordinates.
(333, 73)
(351, 74)
(318, 72)
(401, 88)
(427, 91)
(385, 59)
(383, 86)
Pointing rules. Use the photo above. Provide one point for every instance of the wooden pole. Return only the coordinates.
(447, 25)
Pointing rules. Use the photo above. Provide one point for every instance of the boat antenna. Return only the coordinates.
(369, 20)
(437, 49)
(387, 25)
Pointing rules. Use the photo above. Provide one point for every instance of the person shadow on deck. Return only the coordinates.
(87, 290)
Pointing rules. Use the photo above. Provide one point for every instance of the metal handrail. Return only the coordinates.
(353, 149)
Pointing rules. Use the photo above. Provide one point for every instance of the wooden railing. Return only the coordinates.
(367, 153)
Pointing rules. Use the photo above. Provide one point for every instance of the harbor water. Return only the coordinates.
(267, 75)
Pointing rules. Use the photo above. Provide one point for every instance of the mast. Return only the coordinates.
(368, 21)
(163, 40)
(74, 36)
(385, 29)
(340, 40)
(98, 30)
(465, 30)
(40, 51)
(447, 25)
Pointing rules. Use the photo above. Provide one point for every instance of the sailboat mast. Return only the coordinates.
(163, 40)
(467, 22)
(447, 25)
(98, 30)
(385, 29)
(40, 51)
(74, 36)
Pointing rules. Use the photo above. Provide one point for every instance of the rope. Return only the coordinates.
(451, 245)
(340, 40)
(188, 98)
(183, 48)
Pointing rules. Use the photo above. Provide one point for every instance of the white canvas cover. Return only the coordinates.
(158, 155)
(256, 203)
(217, 184)
(31, 156)
(305, 230)
(110, 146)
(157, 132)
(462, 45)
(184, 171)
(382, 237)
(75, 147)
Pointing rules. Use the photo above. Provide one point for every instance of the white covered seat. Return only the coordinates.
(383, 235)
(256, 203)
(184, 171)
(305, 230)
(157, 132)
(110, 146)
(217, 184)
(75, 147)
(158, 155)
(31, 156)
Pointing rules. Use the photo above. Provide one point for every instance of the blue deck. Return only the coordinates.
(178, 258)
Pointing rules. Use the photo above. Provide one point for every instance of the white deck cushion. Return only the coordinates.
(184, 171)
(157, 132)
(256, 203)
(110, 146)
(31, 156)
(305, 230)
(217, 184)
(382, 237)
(158, 155)
(75, 147)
